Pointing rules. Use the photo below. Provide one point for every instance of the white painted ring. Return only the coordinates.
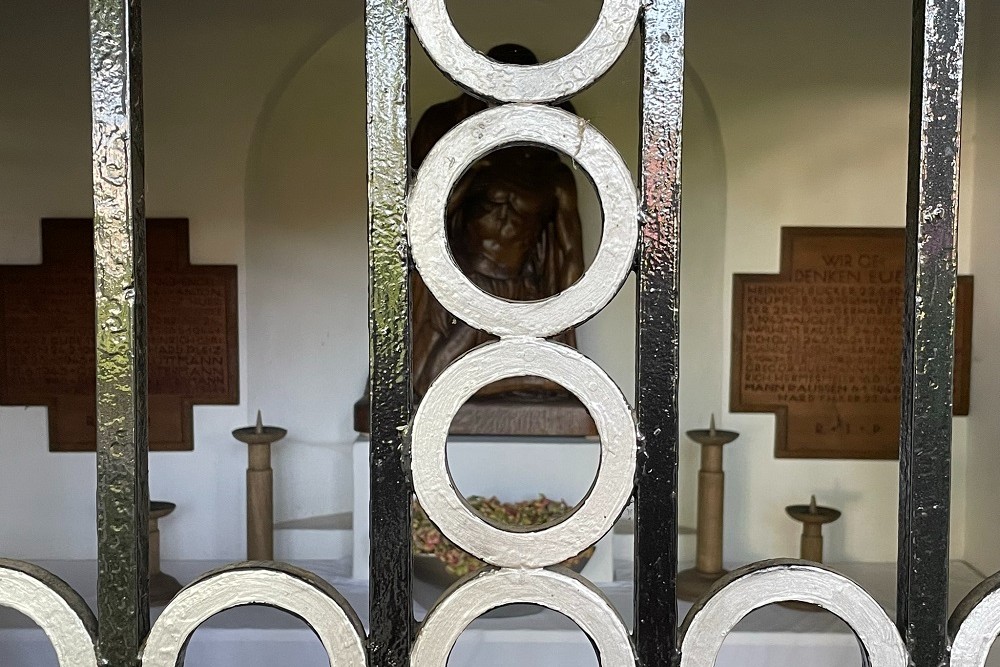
(55, 607)
(976, 625)
(545, 82)
(559, 589)
(597, 512)
(471, 140)
(281, 586)
(752, 587)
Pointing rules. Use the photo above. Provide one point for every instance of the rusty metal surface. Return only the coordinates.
(929, 321)
(120, 284)
(658, 332)
(389, 332)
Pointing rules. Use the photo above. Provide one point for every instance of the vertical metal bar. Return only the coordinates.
(658, 333)
(120, 284)
(391, 610)
(926, 413)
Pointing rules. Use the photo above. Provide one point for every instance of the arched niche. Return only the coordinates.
(306, 212)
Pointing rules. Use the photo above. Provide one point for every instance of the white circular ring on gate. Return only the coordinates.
(975, 625)
(471, 140)
(560, 590)
(277, 585)
(55, 607)
(544, 82)
(596, 513)
(751, 587)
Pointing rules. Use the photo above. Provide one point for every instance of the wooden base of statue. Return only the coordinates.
(162, 587)
(693, 583)
(260, 487)
(508, 416)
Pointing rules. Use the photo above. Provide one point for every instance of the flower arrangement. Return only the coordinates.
(427, 539)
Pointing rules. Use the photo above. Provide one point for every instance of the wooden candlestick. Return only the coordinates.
(692, 583)
(260, 487)
(162, 587)
(812, 518)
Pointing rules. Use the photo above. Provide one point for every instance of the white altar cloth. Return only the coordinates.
(262, 637)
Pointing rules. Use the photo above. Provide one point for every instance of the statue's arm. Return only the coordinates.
(569, 231)
(426, 134)
(459, 340)
(435, 123)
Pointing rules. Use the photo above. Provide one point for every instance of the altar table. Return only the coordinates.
(774, 636)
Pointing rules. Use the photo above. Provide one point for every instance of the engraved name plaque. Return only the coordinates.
(820, 343)
(47, 334)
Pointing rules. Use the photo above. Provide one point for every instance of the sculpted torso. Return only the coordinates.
(514, 230)
(503, 206)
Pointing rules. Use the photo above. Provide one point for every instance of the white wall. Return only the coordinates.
(209, 68)
(308, 282)
(796, 115)
(812, 100)
(788, 152)
(982, 208)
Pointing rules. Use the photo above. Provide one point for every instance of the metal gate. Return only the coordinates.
(639, 450)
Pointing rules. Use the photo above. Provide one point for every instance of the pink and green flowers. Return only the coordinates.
(427, 539)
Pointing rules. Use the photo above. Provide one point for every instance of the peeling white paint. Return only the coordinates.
(544, 82)
(978, 621)
(53, 606)
(296, 591)
(767, 582)
(558, 589)
(471, 140)
(603, 504)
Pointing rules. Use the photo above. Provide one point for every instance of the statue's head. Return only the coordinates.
(513, 54)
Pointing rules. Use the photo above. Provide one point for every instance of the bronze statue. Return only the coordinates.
(514, 230)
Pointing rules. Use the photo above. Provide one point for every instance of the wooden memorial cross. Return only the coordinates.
(47, 334)
(820, 344)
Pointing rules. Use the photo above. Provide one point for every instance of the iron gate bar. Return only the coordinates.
(120, 284)
(658, 333)
(929, 322)
(391, 608)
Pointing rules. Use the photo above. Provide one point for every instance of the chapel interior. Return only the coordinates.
(795, 116)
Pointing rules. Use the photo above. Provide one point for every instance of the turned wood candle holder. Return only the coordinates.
(260, 487)
(162, 587)
(692, 583)
(812, 517)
